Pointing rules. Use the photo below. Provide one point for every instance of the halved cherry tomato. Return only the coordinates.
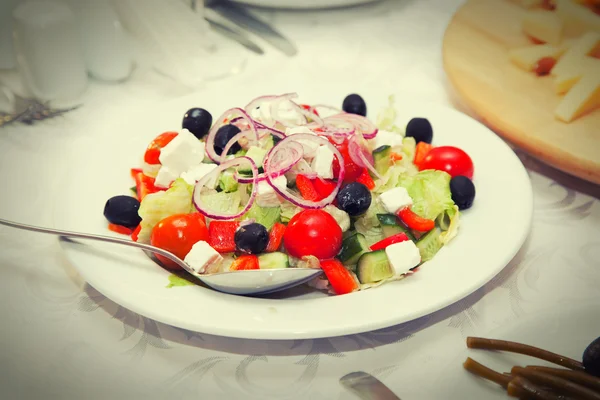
(275, 237)
(324, 187)
(245, 262)
(352, 170)
(120, 229)
(221, 235)
(341, 280)
(177, 234)
(144, 185)
(313, 233)
(136, 232)
(421, 151)
(306, 188)
(382, 244)
(366, 179)
(414, 221)
(450, 159)
(153, 151)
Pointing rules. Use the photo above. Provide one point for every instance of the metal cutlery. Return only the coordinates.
(243, 18)
(249, 282)
(367, 387)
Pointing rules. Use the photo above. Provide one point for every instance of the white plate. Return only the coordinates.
(304, 4)
(563, 330)
(492, 232)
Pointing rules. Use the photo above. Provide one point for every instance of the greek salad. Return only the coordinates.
(281, 184)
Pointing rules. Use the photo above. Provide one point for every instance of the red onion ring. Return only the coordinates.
(292, 198)
(230, 144)
(281, 165)
(197, 198)
(361, 156)
(366, 127)
(260, 127)
(210, 138)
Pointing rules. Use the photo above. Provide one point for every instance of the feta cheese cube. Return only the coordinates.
(164, 177)
(403, 256)
(194, 174)
(182, 153)
(385, 138)
(323, 162)
(201, 256)
(266, 196)
(395, 199)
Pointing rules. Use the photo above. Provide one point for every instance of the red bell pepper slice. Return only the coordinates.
(421, 151)
(341, 280)
(382, 244)
(306, 188)
(324, 187)
(136, 232)
(152, 154)
(120, 229)
(414, 221)
(310, 108)
(144, 185)
(245, 262)
(275, 237)
(221, 235)
(366, 179)
(352, 170)
(396, 157)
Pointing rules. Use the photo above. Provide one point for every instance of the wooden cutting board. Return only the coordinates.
(517, 104)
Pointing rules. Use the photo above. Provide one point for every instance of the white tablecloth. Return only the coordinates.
(61, 339)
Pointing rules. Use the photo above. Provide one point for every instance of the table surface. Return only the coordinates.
(61, 339)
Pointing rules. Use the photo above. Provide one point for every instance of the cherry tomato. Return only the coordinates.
(177, 234)
(153, 151)
(352, 171)
(450, 159)
(313, 232)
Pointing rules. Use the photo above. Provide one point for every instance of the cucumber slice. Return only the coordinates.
(430, 244)
(373, 267)
(381, 158)
(391, 225)
(275, 260)
(352, 248)
(257, 155)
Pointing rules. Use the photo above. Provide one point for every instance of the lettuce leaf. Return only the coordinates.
(288, 210)
(387, 117)
(368, 224)
(266, 216)
(157, 206)
(430, 191)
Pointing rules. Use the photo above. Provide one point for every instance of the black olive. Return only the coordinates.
(463, 191)
(252, 238)
(123, 210)
(354, 198)
(354, 104)
(224, 135)
(591, 358)
(198, 121)
(420, 129)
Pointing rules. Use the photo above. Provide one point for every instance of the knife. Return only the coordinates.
(220, 26)
(367, 387)
(245, 19)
